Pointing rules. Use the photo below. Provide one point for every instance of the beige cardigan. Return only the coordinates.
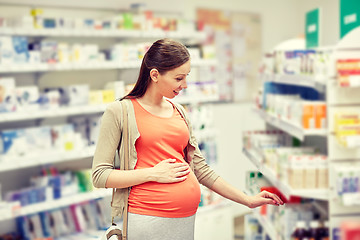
(109, 138)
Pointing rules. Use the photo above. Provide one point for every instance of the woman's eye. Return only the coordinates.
(179, 79)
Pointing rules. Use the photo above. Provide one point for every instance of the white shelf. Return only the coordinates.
(297, 80)
(51, 113)
(46, 157)
(319, 194)
(96, 65)
(289, 127)
(108, 33)
(58, 203)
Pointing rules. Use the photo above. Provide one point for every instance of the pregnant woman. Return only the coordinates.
(166, 165)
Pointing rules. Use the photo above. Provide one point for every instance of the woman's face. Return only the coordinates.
(170, 84)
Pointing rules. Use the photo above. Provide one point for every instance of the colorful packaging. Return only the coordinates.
(320, 115)
(308, 117)
(348, 72)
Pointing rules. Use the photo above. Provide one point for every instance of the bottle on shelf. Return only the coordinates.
(300, 232)
(315, 230)
(324, 231)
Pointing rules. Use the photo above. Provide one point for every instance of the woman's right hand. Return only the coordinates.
(169, 171)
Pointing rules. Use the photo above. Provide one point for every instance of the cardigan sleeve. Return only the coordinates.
(108, 141)
(203, 172)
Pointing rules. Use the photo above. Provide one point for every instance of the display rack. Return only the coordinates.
(49, 157)
(337, 99)
(342, 99)
(319, 194)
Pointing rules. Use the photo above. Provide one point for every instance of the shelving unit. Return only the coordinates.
(319, 194)
(342, 99)
(34, 73)
(338, 99)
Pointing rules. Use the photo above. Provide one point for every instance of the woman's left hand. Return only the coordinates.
(263, 198)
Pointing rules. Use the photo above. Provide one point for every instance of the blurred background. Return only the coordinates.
(273, 96)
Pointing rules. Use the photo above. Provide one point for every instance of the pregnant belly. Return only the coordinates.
(166, 199)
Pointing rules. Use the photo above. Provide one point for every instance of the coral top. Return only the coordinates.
(160, 139)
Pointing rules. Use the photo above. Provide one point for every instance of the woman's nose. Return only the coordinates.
(184, 84)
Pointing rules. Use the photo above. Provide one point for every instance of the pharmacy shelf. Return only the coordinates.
(268, 227)
(288, 126)
(296, 80)
(102, 33)
(319, 194)
(43, 158)
(58, 203)
(94, 65)
(51, 113)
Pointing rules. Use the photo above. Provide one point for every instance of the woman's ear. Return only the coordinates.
(154, 75)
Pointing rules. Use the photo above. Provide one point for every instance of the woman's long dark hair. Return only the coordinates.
(163, 55)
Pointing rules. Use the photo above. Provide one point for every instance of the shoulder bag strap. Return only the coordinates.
(126, 141)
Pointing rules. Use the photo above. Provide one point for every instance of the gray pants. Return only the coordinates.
(142, 227)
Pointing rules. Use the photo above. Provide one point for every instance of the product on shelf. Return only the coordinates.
(348, 72)
(29, 98)
(347, 129)
(301, 232)
(47, 141)
(299, 167)
(84, 220)
(18, 50)
(48, 186)
(299, 105)
(348, 184)
(143, 20)
(316, 63)
(306, 114)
